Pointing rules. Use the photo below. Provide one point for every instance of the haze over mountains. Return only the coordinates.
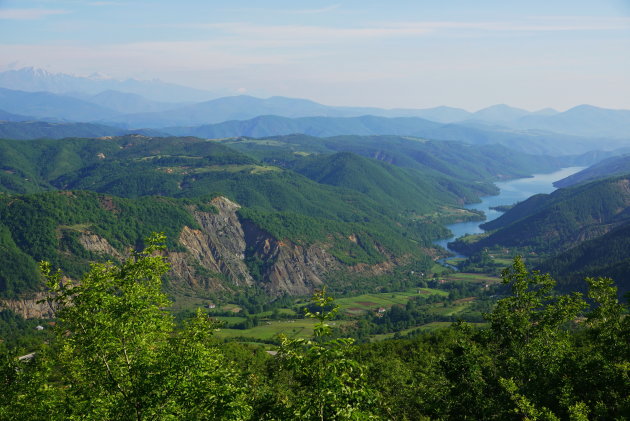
(34, 94)
(38, 80)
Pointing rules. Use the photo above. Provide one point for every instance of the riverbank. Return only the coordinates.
(510, 192)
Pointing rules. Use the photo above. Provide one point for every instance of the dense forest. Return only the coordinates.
(355, 214)
(574, 232)
(117, 355)
(366, 200)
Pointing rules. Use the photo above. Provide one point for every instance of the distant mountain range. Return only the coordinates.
(133, 105)
(24, 130)
(244, 107)
(38, 80)
(125, 102)
(532, 141)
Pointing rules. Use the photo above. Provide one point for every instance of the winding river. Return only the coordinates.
(511, 192)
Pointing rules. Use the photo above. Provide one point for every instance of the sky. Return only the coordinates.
(394, 54)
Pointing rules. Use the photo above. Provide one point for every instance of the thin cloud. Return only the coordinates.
(29, 14)
(313, 11)
(235, 33)
(285, 11)
(106, 3)
(543, 24)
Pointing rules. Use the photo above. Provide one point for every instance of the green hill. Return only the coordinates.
(604, 256)
(553, 223)
(455, 159)
(24, 130)
(618, 165)
(347, 201)
(407, 188)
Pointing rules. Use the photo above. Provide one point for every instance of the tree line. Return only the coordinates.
(117, 354)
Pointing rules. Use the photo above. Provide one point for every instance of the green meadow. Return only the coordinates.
(372, 302)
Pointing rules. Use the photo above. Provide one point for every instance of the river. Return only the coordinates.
(511, 192)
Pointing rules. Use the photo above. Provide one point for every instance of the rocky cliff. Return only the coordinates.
(33, 306)
(225, 253)
(220, 252)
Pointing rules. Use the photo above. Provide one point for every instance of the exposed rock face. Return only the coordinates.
(97, 244)
(29, 307)
(223, 244)
(219, 256)
(218, 247)
(291, 268)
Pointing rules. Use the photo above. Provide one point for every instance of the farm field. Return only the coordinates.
(429, 327)
(457, 307)
(266, 330)
(371, 302)
(474, 277)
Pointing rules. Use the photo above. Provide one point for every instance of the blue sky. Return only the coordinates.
(418, 54)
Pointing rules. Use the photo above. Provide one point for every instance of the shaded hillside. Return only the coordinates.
(606, 168)
(214, 245)
(52, 106)
(454, 159)
(530, 141)
(552, 223)
(604, 256)
(25, 130)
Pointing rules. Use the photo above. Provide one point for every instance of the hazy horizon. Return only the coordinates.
(340, 53)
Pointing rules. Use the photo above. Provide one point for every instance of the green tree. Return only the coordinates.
(531, 340)
(117, 354)
(322, 380)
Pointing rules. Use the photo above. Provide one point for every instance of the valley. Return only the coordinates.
(258, 224)
(398, 254)
(314, 211)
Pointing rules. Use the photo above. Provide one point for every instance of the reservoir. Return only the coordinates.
(511, 192)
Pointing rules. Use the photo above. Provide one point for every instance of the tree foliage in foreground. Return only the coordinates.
(118, 355)
(322, 380)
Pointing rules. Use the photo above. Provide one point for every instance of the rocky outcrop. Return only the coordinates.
(224, 253)
(224, 244)
(291, 269)
(97, 244)
(34, 306)
(218, 248)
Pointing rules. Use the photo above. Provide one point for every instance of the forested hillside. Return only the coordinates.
(115, 354)
(617, 165)
(456, 159)
(337, 209)
(578, 232)
(603, 256)
(555, 222)
(25, 130)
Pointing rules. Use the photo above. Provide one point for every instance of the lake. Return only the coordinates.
(511, 192)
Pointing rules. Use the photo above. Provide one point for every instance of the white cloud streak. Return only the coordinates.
(246, 34)
(29, 14)
(313, 11)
